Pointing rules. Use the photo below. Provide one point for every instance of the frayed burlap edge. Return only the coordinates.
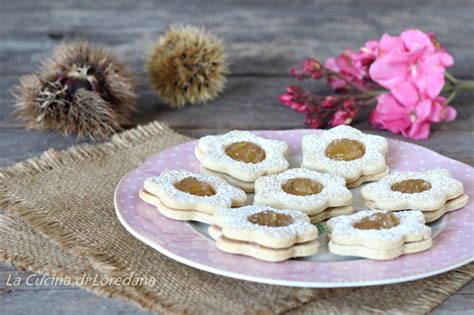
(439, 289)
(51, 159)
(113, 265)
(72, 267)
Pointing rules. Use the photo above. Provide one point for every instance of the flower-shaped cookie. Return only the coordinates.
(181, 189)
(302, 189)
(175, 214)
(424, 191)
(347, 152)
(242, 155)
(274, 228)
(264, 233)
(378, 234)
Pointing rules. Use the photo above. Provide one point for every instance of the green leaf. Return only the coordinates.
(321, 228)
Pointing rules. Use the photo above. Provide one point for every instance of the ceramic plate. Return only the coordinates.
(189, 243)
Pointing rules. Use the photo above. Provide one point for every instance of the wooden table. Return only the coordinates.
(262, 39)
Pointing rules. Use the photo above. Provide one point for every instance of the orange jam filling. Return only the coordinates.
(246, 152)
(270, 218)
(345, 150)
(378, 221)
(411, 186)
(192, 186)
(302, 187)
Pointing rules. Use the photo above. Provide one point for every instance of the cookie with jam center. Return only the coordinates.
(434, 192)
(264, 233)
(240, 157)
(187, 196)
(319, 195)
(379, 235)
(347, 152)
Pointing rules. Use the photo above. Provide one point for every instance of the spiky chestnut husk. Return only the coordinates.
(187, 66)
(81, 89)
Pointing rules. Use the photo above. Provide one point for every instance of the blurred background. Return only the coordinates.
(263, 40)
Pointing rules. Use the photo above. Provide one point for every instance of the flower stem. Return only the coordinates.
(451, 96)
(348, 82)
(369, 94)
(453, 86)
(450, 77)
(465, 85)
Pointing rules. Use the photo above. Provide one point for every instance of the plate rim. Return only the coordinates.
(264, 280)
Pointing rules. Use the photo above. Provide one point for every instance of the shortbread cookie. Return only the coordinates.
(434, 192)
(178, 191)
(181, 189)
(331, 213)
(378, 234)
(242, 155)
(368, 178)
(268, 254)
(347, 152)
(248, 187)
(214, 231)
(366, 252)
(261, 252)
(264, 233)
(176, 214)
(302, 189)
(431, 216)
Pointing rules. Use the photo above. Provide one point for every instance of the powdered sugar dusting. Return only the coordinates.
(211, 153)
(411, 223)
(443, 188)
(238, 219)
(372, 162)
(163, 186)
(269, 191)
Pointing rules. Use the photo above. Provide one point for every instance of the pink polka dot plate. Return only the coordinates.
(189, 243)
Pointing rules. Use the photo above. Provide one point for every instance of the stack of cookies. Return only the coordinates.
(186, 196)
(288, 201)
(379, 235)
(240, 157)
(264, 233)
(434, 192)
(347, 152)
(319, 195)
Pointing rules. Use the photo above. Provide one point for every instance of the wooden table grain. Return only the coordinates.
(263, 39)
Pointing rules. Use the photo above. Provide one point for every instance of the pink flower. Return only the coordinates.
(344, 64)
(445, 58)
(296, 98)
(341, 117)
(412, 66)
(366, 56)
(330, 101)
(410, 116)
(349, 105)
(353, 66)
(399, 118)
(313, 122)
(441, 111)
(308, 68)
(411, 57)
(389, 114)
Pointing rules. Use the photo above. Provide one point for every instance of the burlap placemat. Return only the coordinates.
(67, 197)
